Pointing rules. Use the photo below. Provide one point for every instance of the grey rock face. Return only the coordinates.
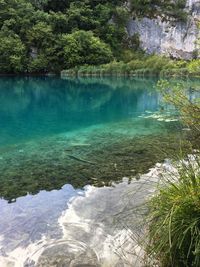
(175, 39)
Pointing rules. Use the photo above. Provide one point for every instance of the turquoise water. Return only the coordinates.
(79, 131)
(63, 142)
(38, 107)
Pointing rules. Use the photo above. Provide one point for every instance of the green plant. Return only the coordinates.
(182, 99)
(174, 228)
(174, 211)
(153, 8)
(12, 52)
(194, 66)
(82, 47)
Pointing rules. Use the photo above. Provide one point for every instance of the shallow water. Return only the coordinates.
(58, 139)
(56, 131)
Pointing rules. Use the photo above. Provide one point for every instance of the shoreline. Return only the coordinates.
(126, 75)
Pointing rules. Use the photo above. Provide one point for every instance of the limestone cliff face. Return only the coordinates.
(175, 39)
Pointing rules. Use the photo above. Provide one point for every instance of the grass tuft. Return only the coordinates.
(174, 228)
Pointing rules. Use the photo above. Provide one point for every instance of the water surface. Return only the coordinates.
(62, 144)
(56, 131)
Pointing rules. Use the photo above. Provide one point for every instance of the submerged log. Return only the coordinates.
(81, 160)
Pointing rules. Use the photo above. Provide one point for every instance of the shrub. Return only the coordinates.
(12, 53)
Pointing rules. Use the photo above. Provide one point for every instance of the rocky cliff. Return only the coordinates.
(176, 39)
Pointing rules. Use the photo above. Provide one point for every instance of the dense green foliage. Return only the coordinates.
(151, 8)
(45, 35)
(12, 53)
(140, 64)
(39, 35)
(82, 47)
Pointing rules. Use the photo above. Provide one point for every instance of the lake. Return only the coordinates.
(72, 153)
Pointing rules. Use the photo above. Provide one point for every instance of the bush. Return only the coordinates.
(12, 53)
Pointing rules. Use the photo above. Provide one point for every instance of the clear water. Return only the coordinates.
(56, 137)
(56, 131)
(40, 107)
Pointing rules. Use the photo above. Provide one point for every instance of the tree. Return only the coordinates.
(12, 53)
(42, 39)
(153, 8)
(82, 47)
(53, 5)
(48, 28)
(81, 16)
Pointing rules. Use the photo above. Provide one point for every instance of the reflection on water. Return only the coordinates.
(27, 220)
(62, 131)
(35, 107)
(98, 226)
(59, 135)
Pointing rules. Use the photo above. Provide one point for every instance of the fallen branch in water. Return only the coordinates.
(79, 144)
(80, 159)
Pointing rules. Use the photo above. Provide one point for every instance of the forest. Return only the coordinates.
(46, 36)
